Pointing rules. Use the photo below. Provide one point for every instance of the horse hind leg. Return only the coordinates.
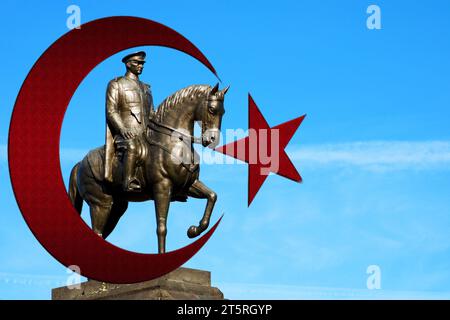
(118, 209)
(99, 218)
(74, 194)
(200, 191)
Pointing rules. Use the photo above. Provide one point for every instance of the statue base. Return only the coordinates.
(181, 284)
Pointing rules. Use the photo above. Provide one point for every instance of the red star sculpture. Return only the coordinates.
(263, 149)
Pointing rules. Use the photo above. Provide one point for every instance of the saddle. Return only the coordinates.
(96, 160)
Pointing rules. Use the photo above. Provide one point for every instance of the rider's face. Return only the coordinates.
(135, 66)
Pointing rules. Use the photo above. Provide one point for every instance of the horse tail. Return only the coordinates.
(74, 194)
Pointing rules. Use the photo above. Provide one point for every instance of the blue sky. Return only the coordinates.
(373, 151)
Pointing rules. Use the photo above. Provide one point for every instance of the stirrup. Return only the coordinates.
(132, 185)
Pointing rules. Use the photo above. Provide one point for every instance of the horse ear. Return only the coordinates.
(215, 89)
(224, 91)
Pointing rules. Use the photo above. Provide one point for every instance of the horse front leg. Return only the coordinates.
(161, 196)
(200, 191)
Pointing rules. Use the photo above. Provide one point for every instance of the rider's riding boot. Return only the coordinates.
(130, 183)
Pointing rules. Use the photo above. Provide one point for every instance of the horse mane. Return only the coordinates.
(180, 97)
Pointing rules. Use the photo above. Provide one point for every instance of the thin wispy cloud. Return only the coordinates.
(30, 281)
(267, 291)
(66, 154)
(376, 155)
(371, 155)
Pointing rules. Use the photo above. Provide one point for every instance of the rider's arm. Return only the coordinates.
(112, 106)
(150, 100)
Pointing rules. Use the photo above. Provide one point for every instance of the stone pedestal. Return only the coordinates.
(183, 283)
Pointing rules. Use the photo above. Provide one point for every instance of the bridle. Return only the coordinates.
(206, 114)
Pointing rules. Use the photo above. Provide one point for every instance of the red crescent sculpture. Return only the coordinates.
(33, 149)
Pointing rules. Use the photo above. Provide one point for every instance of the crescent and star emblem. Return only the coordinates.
(33, 149)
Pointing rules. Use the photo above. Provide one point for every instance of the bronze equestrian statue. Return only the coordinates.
(150, 154)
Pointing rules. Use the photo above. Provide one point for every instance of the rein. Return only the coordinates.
(186, 138)
(156, 126)
(192, 167)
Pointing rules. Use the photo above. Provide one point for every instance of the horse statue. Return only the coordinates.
(168, 165)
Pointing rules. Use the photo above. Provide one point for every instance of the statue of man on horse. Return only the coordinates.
(148, 154)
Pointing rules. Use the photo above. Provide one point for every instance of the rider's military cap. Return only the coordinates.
(138, 56)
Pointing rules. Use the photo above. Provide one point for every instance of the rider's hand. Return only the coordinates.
(127, 133)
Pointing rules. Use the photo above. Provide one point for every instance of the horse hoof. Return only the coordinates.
(192, 232)
(204, 225)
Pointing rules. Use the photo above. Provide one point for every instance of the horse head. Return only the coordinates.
(210, 116)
